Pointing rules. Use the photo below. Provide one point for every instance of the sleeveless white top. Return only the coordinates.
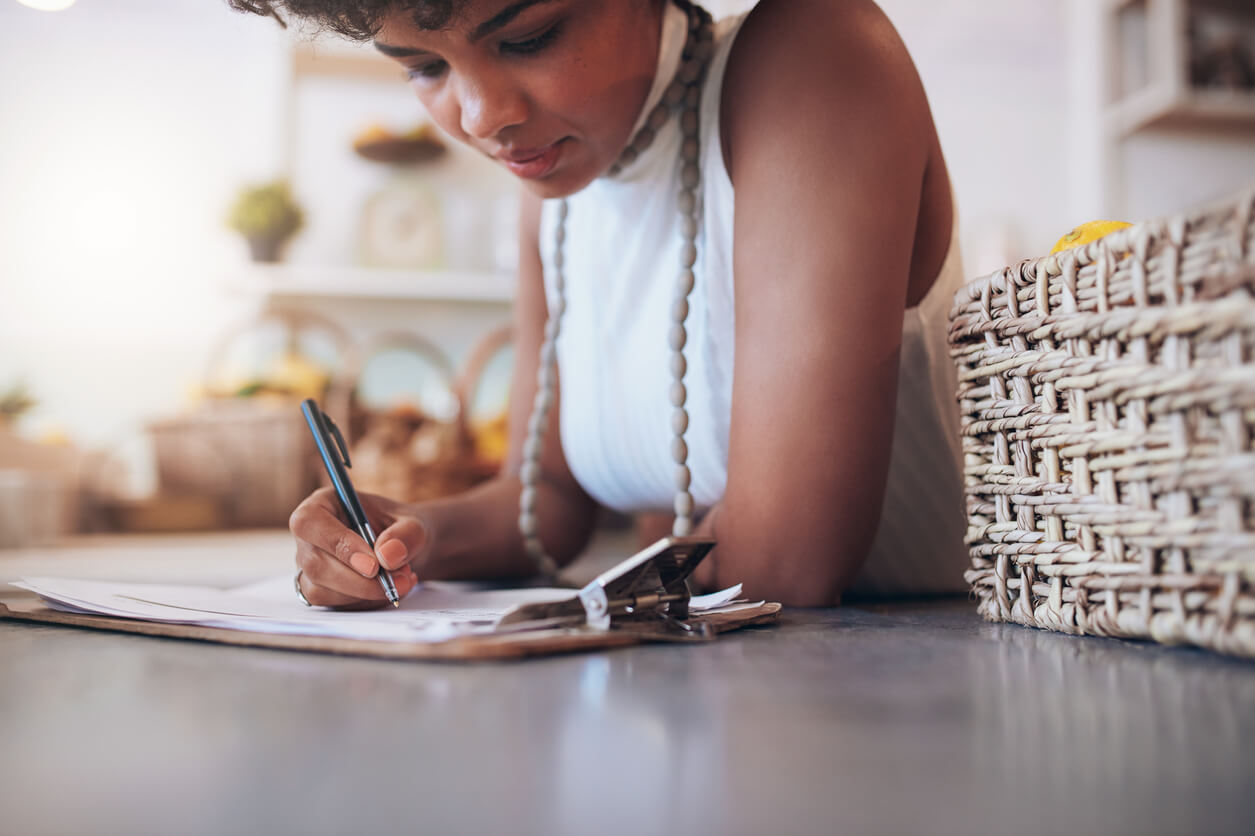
(622, 256)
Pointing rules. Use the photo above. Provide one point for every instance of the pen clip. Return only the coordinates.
(344, 448)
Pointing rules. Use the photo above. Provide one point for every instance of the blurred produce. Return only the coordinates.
(419, 145)
(1087, 233)
(267, 215)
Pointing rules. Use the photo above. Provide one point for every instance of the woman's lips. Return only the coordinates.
(532, 164)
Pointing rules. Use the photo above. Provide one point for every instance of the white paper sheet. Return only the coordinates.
(433, 612)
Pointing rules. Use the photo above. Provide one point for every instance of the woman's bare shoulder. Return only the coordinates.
(836, 63)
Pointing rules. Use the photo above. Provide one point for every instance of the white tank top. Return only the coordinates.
(622, 257)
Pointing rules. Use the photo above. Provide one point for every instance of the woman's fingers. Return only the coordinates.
(401, 543)
(316, 522)
(338, 568)
(326, 582)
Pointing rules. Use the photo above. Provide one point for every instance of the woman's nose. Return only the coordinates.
(489, 106)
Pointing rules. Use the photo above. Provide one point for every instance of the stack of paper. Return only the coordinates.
(431, 613)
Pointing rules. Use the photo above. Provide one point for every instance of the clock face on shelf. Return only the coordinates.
(401, 227)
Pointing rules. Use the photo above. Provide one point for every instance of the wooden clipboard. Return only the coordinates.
(520, 645)
(646, 598)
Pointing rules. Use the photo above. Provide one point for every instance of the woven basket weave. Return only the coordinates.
(1108, 404)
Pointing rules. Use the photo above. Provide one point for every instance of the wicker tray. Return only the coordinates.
(1108, 402)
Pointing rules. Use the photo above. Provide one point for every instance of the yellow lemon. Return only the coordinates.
(1085, 233)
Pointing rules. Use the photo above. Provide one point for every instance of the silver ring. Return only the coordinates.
(297, 583)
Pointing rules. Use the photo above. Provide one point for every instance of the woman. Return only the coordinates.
(739, 235)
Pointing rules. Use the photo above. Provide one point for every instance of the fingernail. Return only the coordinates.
(364, 563)
(392, 552)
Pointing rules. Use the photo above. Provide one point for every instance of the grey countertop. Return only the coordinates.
(893, 718)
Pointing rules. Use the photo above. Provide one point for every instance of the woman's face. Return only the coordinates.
(550, 89)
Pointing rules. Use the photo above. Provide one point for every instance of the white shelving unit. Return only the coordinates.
(283, 281)
(1145, 100)
(1148, 73)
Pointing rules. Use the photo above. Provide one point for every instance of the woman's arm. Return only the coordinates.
(827, 139)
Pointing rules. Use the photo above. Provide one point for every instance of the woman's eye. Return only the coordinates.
(533, 44)
(431, 70)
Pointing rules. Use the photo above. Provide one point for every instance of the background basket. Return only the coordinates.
(405, 452)
(1108, 402)
(253, 454)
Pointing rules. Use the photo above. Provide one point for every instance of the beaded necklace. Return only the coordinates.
(683, 95)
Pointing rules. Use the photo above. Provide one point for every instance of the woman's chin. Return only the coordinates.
(558, 185)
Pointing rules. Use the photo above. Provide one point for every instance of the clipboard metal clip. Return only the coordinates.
(648, 594)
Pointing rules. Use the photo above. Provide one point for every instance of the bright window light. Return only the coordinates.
(48, 5)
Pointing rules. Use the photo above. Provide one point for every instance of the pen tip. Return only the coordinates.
(396, 604)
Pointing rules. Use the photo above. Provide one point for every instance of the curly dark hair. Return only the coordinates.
(356, 19)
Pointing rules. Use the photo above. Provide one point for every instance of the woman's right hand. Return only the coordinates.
(337, 568)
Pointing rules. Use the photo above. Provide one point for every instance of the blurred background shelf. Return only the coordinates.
(1217, 110)
(282, 281)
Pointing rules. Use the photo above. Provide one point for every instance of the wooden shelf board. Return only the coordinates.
(1197, 109)
(289, 280)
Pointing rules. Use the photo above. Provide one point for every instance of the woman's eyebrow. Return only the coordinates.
(503, 17)
(498, 20)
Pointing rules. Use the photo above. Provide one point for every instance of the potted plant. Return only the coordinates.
(14, 402)
(267, 216)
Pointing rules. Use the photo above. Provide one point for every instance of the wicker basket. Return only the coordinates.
(255, 455)
(1108, 402)
(404, 453)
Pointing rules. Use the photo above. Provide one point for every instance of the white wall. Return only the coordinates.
(125, 126)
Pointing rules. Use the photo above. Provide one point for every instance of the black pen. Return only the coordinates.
(335, 458)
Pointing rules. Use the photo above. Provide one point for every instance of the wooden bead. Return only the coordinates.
(558, 308)
(677, 337)
(679, 420)
(688, 254)
(553, 328)
(679, 310)
(684, 286)
(675, 94)
(679, 451)
(559, 235)
(529, 473)
(689, 123)
(693, 97)
(687, 201)
(658, 118)
(688, 228)
(627, 157)
(531, 449)
(562, 210)
(683, 527)
(689, 72)
(679, 367)
(559, 260)
(537, 424)
(683, 477)
(690, 176)
(527, 499)
(683, 504)
(527, 524)
(644, 139)
(678, 394)
(689, 150)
